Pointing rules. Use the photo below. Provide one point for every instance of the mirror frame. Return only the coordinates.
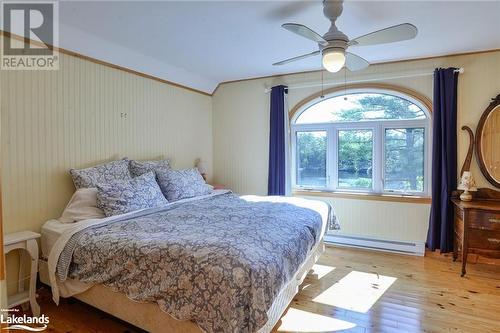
(479, 131)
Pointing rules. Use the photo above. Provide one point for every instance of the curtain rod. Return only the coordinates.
(326, 84)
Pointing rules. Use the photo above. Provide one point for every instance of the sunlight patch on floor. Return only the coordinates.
(357, 291)
(321, 270)
(296, 320)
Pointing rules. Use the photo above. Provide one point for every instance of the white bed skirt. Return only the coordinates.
(149, 316)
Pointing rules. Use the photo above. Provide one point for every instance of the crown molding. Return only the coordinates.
(374, 63)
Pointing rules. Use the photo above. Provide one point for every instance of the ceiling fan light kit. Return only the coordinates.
(333, 45)
(333, 59)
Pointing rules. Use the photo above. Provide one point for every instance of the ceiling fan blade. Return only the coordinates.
(354, 62)
(392, 34)
(304, 31)
(296, 58)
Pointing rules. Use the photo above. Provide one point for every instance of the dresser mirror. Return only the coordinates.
(488, 142)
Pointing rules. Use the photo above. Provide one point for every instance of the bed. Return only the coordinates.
(213, 263)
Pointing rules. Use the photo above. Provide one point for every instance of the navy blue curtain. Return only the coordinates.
(277, 158)
(444, 159)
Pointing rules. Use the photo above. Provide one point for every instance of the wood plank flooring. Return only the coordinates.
(353, 290)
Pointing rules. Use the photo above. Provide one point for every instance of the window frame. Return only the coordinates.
(378, 128)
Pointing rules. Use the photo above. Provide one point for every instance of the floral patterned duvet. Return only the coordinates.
(219, 261)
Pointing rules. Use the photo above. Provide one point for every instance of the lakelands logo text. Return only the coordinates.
(34, 31)
(24, 322)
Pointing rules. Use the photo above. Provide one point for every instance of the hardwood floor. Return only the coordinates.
(355, 290)
(416, 295)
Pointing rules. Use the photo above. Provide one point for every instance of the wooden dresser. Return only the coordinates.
(477, 228)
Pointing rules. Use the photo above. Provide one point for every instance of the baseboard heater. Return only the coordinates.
(410, 248)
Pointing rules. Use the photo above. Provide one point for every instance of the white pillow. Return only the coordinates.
(82, 206)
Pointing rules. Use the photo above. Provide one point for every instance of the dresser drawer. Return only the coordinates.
(482, 219)
(484, 239)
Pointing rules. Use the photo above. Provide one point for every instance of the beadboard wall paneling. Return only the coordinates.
(363, 218)
(241, 112)
(83, 114)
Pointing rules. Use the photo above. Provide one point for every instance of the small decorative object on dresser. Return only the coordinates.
(467, 184)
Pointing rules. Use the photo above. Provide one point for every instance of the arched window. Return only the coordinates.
(363, 140)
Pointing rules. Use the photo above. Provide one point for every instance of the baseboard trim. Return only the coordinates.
(384, 245)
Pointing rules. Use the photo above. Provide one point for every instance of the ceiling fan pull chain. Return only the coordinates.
(322, 86)
(345, 83)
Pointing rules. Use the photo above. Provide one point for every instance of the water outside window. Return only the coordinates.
(311, 158)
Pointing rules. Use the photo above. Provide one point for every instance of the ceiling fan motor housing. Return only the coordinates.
(336, 39)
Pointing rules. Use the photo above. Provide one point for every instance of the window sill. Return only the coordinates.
(364, 196)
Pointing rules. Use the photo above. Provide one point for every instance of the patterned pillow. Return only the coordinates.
(100, 174)
(181, 184)
(138, 168)
(125, 196)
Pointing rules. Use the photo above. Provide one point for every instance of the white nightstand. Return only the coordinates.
(24, 240)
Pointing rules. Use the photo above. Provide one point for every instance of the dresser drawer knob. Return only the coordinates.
(493, 240)
(494, 220)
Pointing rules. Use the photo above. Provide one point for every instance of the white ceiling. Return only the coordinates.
(202, 43)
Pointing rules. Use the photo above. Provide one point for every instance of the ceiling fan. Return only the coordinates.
(334, 43)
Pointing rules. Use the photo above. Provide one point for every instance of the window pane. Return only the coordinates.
(311, 158)
(360, 107)
(404, 159)
(355, 162)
